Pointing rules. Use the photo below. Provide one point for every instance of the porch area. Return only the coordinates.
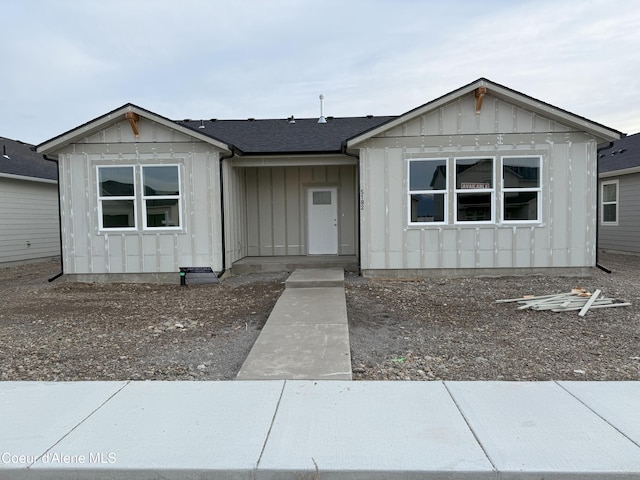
(291, 262)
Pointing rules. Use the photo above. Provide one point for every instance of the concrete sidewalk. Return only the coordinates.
(306, 337)
(319, 430)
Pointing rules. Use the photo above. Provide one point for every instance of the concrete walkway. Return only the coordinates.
(325, 430)
(306, 337)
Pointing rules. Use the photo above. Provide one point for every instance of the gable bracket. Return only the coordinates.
(134, 120)
(479, 93)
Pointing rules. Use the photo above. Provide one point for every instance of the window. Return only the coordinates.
(116, 197)
(521, 189)
(161, 197)
(609, 202)
(120, 196)
(427, 191)
(322, 198)
(474, 190)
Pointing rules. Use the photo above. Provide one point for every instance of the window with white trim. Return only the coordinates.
(609, 202)
(117, 197)
(427, 191)
(474, 190)
(161, 196)
(521, 189)
(121, 195)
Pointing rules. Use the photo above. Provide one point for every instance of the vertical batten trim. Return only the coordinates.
(87, 201)
(569, 201)
(387, 228)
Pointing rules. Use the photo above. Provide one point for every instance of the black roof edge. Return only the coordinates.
(90, 121)
(126, 105)
(289, 153)
(481, 79)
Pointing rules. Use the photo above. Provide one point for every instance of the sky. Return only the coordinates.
(66, 62)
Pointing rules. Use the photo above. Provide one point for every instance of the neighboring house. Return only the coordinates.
(619, 173)
(29, 222)
(483, 180)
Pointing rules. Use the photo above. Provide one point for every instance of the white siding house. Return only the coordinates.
(29, 225)
(484, 180)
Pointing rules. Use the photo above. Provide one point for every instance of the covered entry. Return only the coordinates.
(307, 208)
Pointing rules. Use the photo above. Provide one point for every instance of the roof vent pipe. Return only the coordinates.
(4, 152)
(322, 119)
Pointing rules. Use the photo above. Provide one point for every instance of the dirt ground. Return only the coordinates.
(399, 330)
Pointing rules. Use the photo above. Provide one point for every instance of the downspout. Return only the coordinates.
(46, 157)
(222, 219)
(598, 206)
(358, 206)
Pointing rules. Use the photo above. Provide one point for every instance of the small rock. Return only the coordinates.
(179, 325)
(202, 366)
(579, 372)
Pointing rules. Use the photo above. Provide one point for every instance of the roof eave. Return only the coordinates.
(622, 171)
(27, 178)
(56, 143)
(600, 131)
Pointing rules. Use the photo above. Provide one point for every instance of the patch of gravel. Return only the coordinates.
(75, 331)
(452, 329)
(399, 330)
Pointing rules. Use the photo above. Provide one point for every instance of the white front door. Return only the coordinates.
(323, 221)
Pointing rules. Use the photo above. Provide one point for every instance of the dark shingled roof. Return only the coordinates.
(24, 161)
(278, 136)
(625, 153)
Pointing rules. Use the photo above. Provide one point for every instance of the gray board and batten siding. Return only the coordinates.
(29, 226)
(563, 238)
(276, 206)
(620, 164)
(90, 252)
(250, 188)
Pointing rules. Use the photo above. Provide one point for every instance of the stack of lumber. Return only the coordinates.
(576, 299)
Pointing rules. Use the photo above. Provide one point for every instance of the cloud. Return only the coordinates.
(71, 61)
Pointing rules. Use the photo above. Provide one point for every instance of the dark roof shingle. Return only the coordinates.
(273, 136)
(24, 161)
(623, 154)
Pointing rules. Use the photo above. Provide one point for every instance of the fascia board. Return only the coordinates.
(601, 132)
(27, 179)
(617, 173)
(416, 112)
(99, 123)
(554, 113)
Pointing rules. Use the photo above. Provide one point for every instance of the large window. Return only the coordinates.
(427, 191)
(161, 197)
(120, 196)
(478, 189)
(474, 190)
(521, 189)
(117, 197)
(609, 202)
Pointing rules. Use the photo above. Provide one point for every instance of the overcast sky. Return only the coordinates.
(65, 62)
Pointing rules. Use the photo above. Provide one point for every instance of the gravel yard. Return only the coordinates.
(407, 330)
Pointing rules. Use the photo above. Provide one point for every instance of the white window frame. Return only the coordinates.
(144, 197)
(504, 190)
(444, 192)
(124, 197)
(616, 202)
(491, 191)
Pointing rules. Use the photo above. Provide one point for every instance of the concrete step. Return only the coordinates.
(315, 277)
(348, 263)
